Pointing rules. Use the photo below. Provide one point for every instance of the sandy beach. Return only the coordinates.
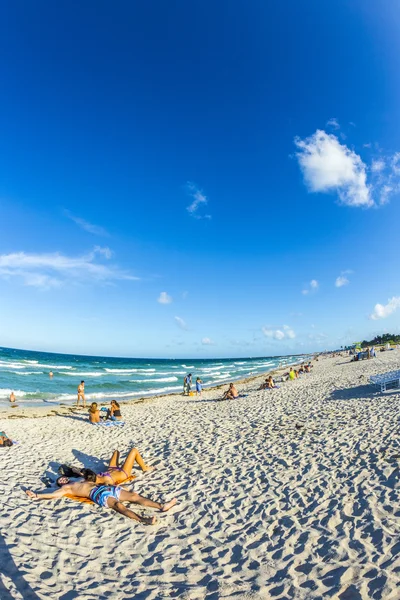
(289, 493)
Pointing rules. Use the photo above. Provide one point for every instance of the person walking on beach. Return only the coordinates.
(187, 384)
(199, 388)
(81, 394)
(106, 496)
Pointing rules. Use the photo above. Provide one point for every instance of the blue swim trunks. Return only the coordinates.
(101, 493)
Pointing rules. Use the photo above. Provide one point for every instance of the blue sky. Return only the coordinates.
(198, 178)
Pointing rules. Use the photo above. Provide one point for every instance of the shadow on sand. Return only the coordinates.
(9, 571)
(361, 391)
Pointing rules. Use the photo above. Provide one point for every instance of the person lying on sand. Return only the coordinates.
(114, 474)
(231, 393)
(106, 496)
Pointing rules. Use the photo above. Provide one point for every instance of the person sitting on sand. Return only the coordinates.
(231, 393)
(94, 413)
(107, 496)
(5, 440)
(114, 412)
(292, 374)
(269, 384)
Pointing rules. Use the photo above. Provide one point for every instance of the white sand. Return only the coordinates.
(266, 510)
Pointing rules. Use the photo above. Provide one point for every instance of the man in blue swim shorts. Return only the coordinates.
(106, 496)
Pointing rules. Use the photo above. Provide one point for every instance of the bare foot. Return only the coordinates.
(147, 468)
(31, 495)
(168, 505)
(148, 520)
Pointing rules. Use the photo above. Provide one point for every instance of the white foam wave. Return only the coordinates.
(27, 372)
(85, 374)
(130, 370)
(99, 395)
(162, 380)
(186, 366)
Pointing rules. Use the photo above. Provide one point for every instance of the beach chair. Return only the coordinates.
(392, 378)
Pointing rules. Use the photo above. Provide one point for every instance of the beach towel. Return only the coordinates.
(88, 501)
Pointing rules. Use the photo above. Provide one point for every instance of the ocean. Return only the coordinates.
(26, 373)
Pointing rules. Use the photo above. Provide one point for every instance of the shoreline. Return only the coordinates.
(15, 411)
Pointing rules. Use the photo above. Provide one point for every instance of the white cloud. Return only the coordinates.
(394, 163)
(164, 298)
(55, 269)
(207, 341)
(313, 286)
(181, 323)
(378, 165)
(86, 226)
(199, 199)
(285, 332)
(341, 281)
(329, 166)
(334, 123)
(381, 311)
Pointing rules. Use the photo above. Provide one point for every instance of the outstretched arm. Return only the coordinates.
(51, 496)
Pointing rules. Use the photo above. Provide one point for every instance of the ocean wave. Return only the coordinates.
(130, 370)
(162, 380)
(209, 369)
(99, 395)
(85, 374)
(186, 367)
(26, 372)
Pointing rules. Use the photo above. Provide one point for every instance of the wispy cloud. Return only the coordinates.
(207, 341)
(382, 311)
(282, 333)
(85, 225)
(55, 269)
(163, 298)
(181, 323)
(343, 279)
(312, 287)
(199, 201)
(334, 123)
(378, 165)
(330, 166)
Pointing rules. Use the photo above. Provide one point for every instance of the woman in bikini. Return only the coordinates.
(116, 474)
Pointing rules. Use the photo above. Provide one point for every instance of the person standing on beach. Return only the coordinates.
(199, 388)
(12, 397)
(187, 384)
(81, 394)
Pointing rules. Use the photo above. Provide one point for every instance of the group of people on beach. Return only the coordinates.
(187, 385)
(97, 415)
(104, 489)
